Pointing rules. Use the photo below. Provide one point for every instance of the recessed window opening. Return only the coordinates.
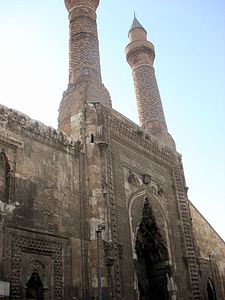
(92, 138)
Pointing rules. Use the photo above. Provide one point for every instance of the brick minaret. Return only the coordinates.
(140, 54)
(85, 83)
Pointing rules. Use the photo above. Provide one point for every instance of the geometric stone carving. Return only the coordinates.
(49, 249)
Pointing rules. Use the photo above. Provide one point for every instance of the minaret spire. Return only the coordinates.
(136, 24)
(140, 54)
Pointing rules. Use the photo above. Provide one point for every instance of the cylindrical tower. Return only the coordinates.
(85, 83)
(83, 45)
(140, 54)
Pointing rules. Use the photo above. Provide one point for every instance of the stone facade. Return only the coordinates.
(101, 200)
(212, 252)
(42, 205)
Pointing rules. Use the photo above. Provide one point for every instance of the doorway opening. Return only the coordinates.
(151, 265)
(34, 287)
(211, 290)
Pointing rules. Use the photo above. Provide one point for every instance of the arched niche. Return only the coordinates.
(5, 176)
(37, 279)
(34, 287)
(211, 292)
(136, 204)
(151, 247)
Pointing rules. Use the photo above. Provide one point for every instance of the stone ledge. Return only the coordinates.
(20, 123)
(130, 130)
(5, 138)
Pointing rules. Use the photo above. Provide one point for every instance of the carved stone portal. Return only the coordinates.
(152, 256)
(35, 284)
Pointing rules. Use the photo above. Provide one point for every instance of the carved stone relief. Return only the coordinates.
(160, 189)
(132, 179)
(36, 251)
(146, 179)
(136, 180)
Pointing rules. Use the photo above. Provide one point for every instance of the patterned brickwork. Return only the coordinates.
(85, 83)
(140, 55)
(84, 47)
(70, 4)
(147, 93)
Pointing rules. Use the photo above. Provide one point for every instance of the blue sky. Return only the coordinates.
(190, 67)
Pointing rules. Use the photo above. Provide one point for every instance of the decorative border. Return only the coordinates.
(19, 122)
(112, 204)
(132, 132)
(20, 244)
(5, 138)
(184, 211)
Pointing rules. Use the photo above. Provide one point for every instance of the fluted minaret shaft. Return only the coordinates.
(140, 54)
(83, 45)
(85, 83)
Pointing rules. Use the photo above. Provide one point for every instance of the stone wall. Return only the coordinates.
(41, 206)
(211, 248)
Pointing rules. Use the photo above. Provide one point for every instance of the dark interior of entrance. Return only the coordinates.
(34, 287)
(211, 290)
(152, 256)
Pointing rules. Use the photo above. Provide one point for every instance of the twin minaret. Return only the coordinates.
(140, 54)
(84, 49)
(85, 83)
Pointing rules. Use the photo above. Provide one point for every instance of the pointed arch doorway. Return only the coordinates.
(211, 290)
(34, 287)
(151, 265)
